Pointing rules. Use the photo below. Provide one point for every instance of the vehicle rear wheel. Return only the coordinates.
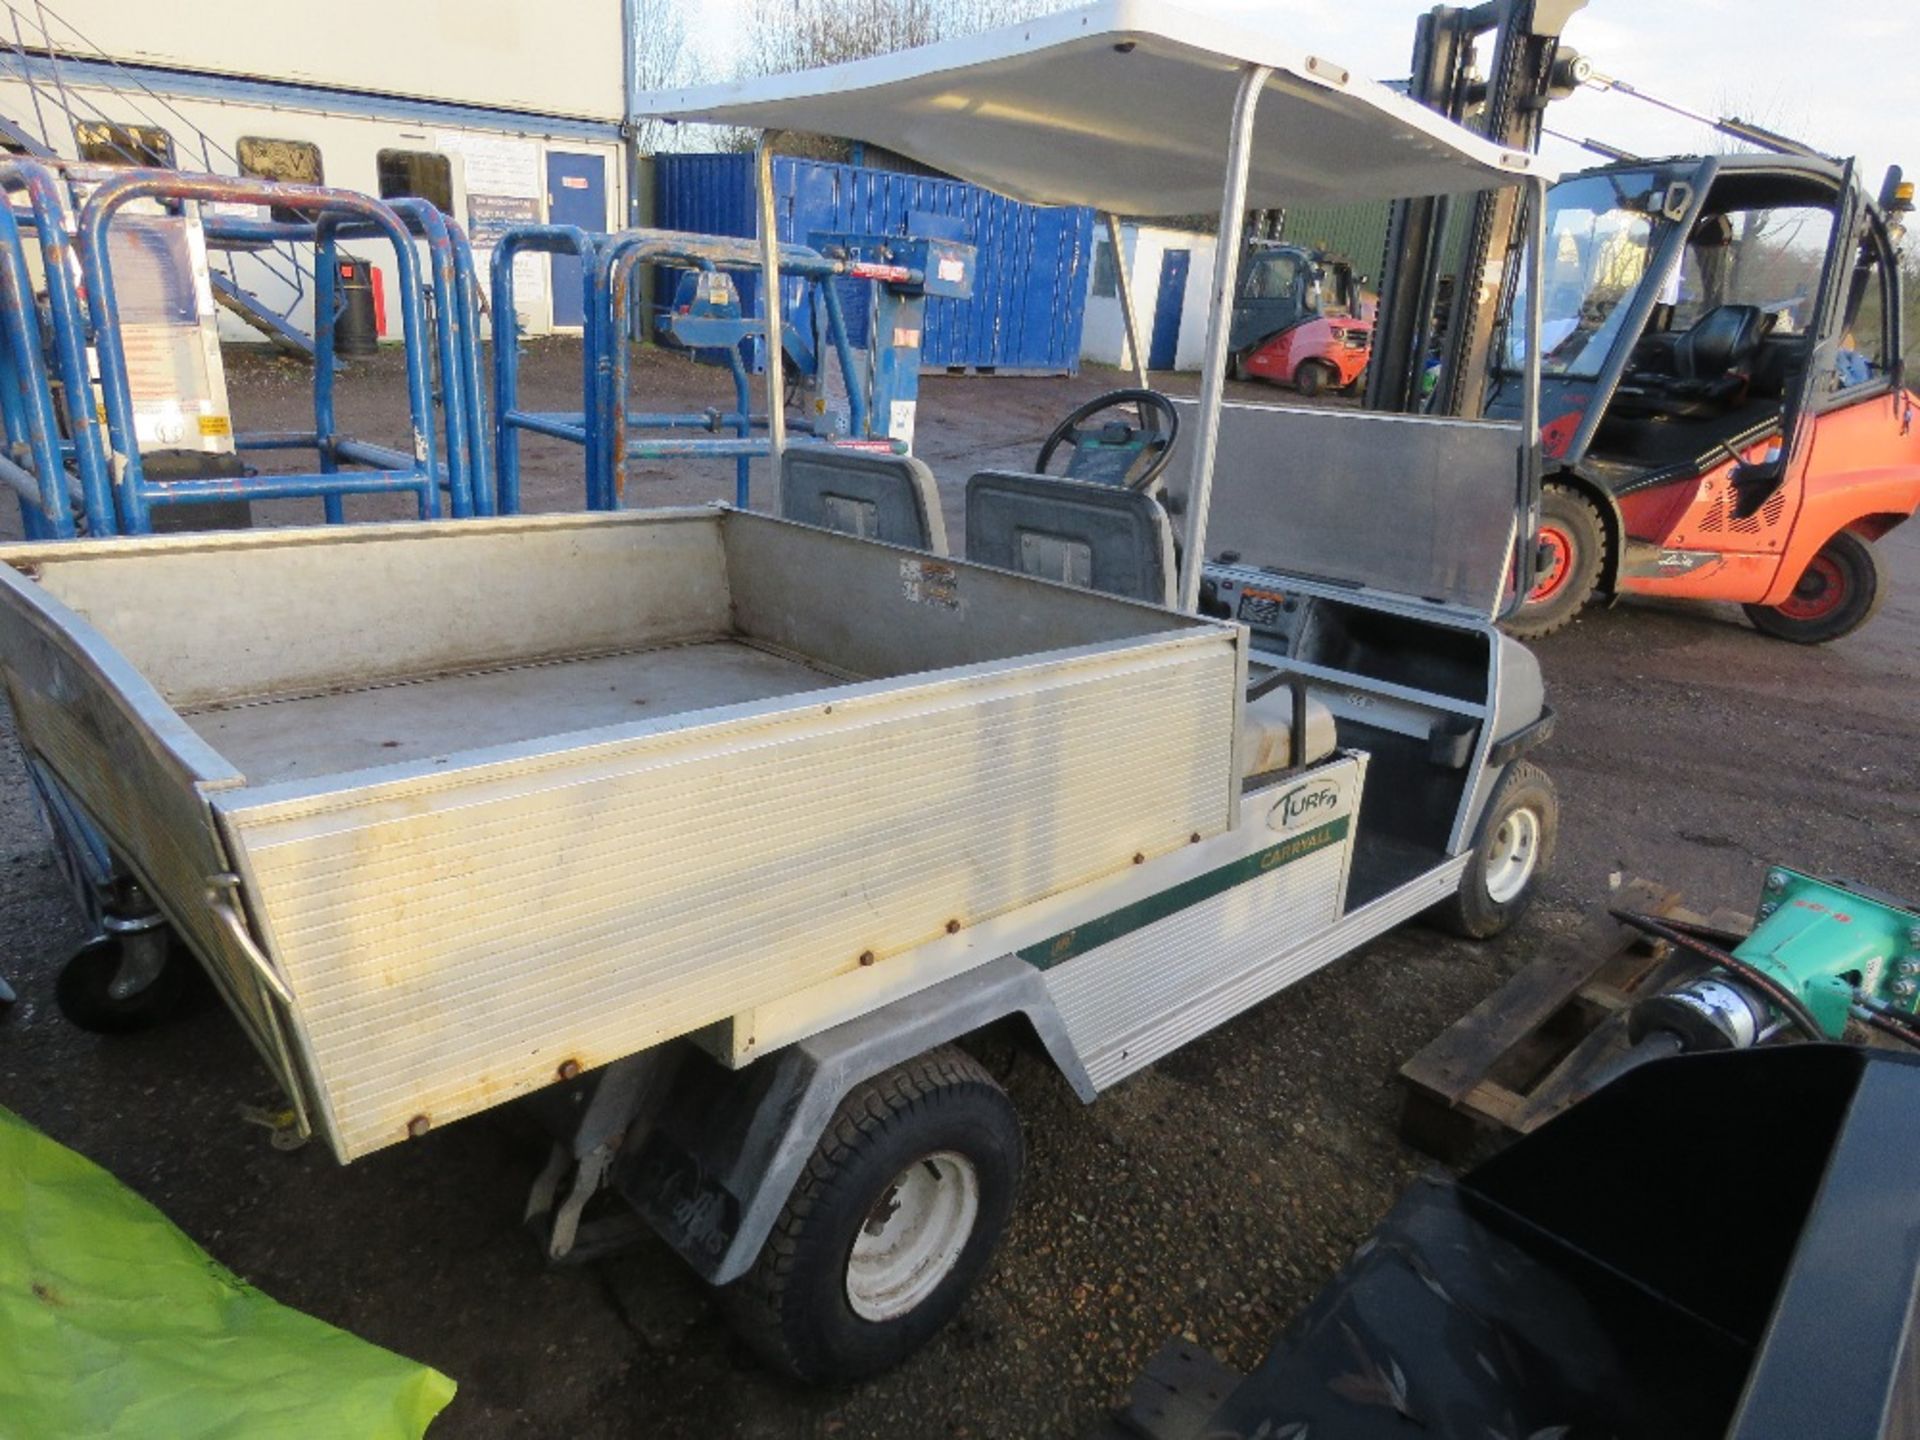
(1237, 365)
(889, 1226)
(1514, 845)
(1839, 592)
(1575, 543)
(1313, 376)
(117, 984)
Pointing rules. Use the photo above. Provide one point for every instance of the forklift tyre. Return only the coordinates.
(1843, 586)
(1515, 843)
(890, 1224)
(1575, 543)
(1313, 376)
(85, 996)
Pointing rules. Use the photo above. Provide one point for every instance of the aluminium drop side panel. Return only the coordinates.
(140, 775)
(454, 936)
(1169, 974)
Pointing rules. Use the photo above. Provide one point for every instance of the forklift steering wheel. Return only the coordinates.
(1117, 452)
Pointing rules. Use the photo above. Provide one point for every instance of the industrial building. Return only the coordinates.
(498, 112)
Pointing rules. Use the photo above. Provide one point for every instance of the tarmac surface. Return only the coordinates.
(1209, 1196)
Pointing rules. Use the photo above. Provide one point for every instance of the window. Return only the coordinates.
(294, 161)
(1769, 257)
(1106, 280)
(1865, 352)
(1600, 235)
(104, 143)
(1272, 278)
(425, 173)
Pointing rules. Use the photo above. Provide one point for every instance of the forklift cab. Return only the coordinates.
(1702, 319)
(1682, 306)
(1280, 285)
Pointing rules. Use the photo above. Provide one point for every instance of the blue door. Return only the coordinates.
(576, 195)
(1165, 346)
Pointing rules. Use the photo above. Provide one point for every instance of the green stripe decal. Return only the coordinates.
(1115, 923)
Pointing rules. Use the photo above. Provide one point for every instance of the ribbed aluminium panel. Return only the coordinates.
(1130, 1001)
(452, 939)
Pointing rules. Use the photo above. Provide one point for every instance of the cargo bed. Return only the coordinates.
(503, 799)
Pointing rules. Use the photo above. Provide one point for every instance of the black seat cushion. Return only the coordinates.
(1723, 339)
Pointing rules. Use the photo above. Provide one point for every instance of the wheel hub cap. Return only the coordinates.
(1559, 550)
(913, 1236)
(1512, 857)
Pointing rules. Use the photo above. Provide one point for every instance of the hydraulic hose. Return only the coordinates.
(1784, 999)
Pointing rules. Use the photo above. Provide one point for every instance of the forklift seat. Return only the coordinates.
(1079, 532)
(1710, 367)
(891, 498)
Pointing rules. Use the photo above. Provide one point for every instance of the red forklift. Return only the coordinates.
(1297, 319)
(1728, 414)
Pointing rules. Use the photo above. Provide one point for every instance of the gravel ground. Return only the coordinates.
(1209, 1196)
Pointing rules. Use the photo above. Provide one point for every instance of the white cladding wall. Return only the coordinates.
(504, 163)
(561, 59)
(1104, 337)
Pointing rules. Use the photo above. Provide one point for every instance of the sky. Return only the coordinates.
(1839, 75)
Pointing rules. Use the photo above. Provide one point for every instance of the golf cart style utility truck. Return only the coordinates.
(713, 836)
(1727, 416)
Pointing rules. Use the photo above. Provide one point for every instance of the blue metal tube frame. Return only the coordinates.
(508, 419)
(619, 257)
(26, 397)
(455, 290)
(135, 494)
(51, 219)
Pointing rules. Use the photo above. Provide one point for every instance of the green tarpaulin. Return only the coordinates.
(114, 1324)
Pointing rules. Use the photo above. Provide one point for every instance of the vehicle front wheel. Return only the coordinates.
(890, 1225)
(1312, 377)
(1574, 545)
(1839, 592)
(1513, 846)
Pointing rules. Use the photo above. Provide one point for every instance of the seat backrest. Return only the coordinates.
(1083, 533)
(891, 498)
(1723, 339)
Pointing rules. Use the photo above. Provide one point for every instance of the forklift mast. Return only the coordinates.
(1506, 103)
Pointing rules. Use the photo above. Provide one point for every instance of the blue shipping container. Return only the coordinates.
(1029, 296)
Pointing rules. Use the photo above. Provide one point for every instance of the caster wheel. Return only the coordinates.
(109, 987)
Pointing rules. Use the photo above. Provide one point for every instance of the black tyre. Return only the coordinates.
(1237, 365)
(1313, 376)
(1839, 592)
(889, 1226)
(1575, 539)
(84, 990)
(1513, 846)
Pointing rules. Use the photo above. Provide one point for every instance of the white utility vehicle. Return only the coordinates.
(716, 835)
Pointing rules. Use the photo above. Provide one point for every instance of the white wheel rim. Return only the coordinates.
(913, 1236)
(1512, 856)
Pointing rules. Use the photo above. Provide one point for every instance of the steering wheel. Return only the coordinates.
(1117, 452)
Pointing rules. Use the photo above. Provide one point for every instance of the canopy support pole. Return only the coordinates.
(1213, 367)
(770, 306)
(1123, 276)
(1525, 558)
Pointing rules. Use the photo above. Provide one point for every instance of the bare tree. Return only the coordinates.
(786, 35)
(661, 58)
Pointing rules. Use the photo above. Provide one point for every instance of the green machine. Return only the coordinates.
(1822, 953)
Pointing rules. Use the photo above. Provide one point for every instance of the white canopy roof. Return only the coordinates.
(1123, 105)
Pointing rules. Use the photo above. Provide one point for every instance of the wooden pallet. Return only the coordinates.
(1534, 1046)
